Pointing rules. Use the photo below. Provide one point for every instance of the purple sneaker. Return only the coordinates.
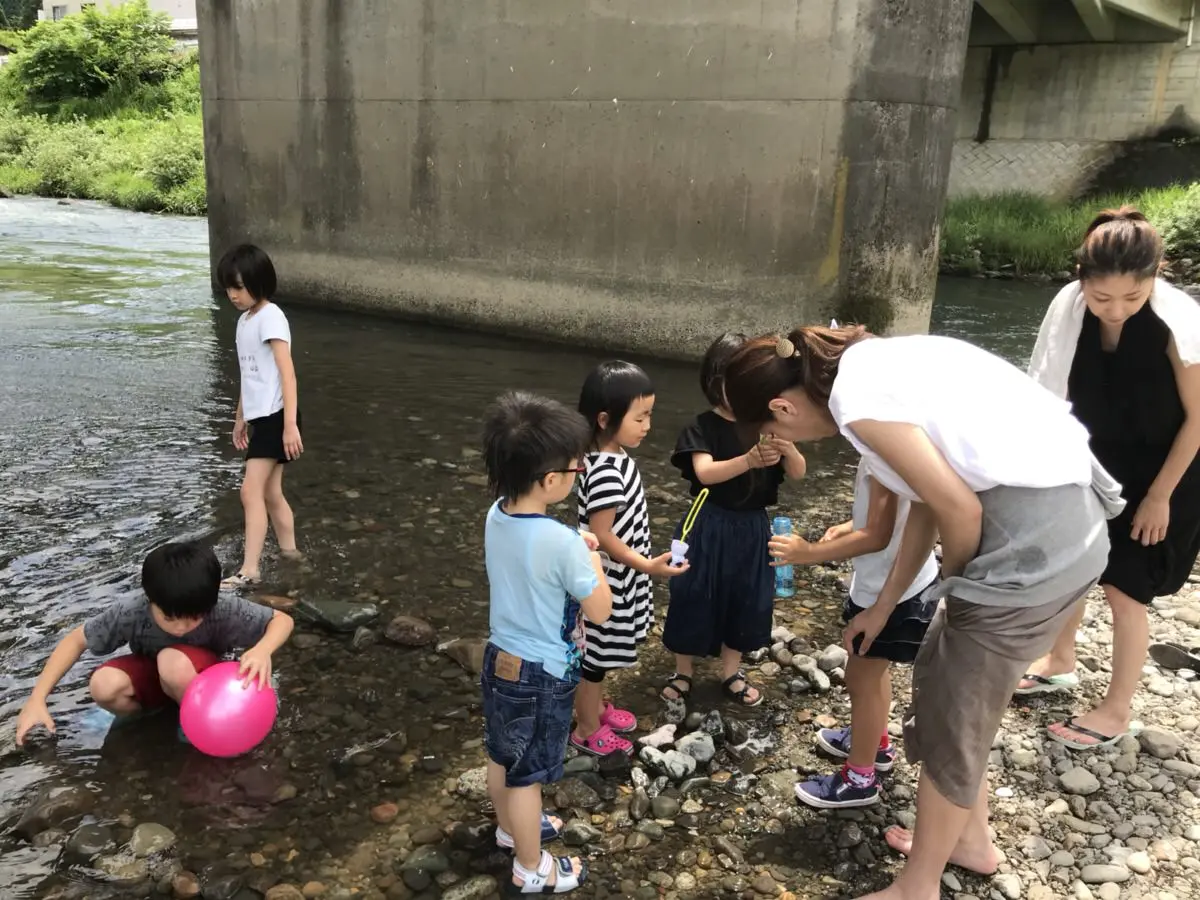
(836, 742)
(835, 792)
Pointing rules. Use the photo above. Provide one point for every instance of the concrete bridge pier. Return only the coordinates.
(606, 172)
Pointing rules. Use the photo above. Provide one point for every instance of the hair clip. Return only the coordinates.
(833, 323)
(785, 349)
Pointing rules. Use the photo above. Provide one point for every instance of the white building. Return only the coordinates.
(182, 12)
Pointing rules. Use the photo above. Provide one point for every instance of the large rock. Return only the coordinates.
(697, 745)
(149, 838)
(673, 764)
(1079, 781)
(467, 653)
(1159, 743)
(336, 615)
(54, 806)
(472, 784)
(478, 888)
(409, 631)
(89, 840)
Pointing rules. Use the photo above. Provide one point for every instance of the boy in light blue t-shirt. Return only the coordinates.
(543, 576)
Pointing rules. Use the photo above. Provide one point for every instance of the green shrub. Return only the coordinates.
(100, 51)
(1022, 234)
(128, 191)
(18, 134)
(17, 179)
(1180, 226)
(173, 156)
(64, 161)
(189, 199)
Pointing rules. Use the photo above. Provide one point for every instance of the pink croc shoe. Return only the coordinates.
(622, 721)
(602, 742)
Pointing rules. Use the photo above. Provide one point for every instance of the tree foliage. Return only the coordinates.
(98, 52)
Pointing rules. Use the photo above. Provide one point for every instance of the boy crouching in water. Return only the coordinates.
(543, 576)
(180, 627)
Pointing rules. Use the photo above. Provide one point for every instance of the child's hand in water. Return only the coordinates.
(255, 664)
(660, 567)
(590, 539)
(34, 712)
(789, 550)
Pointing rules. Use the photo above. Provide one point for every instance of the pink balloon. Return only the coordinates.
(222, 718)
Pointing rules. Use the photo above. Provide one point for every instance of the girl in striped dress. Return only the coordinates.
(617, 400)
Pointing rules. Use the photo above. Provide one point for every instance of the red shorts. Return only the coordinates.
(143, 672)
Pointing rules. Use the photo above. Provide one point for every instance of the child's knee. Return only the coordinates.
(175, 670)
(109, 685)
(252, 492)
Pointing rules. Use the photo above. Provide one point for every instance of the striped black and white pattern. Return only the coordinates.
(613, 481)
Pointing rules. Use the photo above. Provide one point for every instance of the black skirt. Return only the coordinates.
(266, 437)
(1143, 573)
(726, 597)
(901, 637)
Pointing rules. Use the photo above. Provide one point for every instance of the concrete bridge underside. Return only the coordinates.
(999, 22)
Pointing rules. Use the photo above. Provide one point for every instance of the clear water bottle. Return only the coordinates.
(785, 585)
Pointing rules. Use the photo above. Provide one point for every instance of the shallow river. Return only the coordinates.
(119, 383)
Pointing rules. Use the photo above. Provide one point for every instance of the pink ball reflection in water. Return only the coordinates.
(221, 717)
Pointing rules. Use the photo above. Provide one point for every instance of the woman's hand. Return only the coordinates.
(241, 437)
(789, 550)
(1151, 520)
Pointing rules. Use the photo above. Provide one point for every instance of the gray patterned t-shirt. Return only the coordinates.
(233, 623)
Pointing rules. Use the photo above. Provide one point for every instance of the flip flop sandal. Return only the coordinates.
(741, 697)
(1055, 684)
(673, 684)
(1173, 656)
(239, 582)
(550, 832)
(537, 882)
(1102, 740)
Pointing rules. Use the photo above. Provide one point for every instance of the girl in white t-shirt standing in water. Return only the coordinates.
(267, 425)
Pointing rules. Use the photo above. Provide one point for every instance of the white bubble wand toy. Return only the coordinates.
(679, 547)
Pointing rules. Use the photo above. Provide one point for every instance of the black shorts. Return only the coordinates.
(266, 437)
(905, 629)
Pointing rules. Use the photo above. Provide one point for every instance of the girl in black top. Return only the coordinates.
(722, 606)
(1140, 403)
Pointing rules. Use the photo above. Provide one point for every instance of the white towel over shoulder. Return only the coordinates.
(1054, 351)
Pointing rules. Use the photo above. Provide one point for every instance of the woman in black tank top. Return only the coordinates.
(1141, 406)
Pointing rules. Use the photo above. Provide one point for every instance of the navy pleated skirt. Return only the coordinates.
(727, 595)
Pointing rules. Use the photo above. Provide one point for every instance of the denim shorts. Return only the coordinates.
(526, 719)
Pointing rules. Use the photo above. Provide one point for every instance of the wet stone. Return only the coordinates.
(573, 792)
(54, 806)
(473, 836)
(185, 885)
(427, 859)
(697, 745)
(578, 833)
(664, 807)
(336, 615)
(467, 653)
(652, 830)
(478, 888)
(409, 631)
(88, 840)
(639, 804)
(472, 784)
(617, 766)
(363, 637)
(149, 838)
(284, 892)
(637, 841)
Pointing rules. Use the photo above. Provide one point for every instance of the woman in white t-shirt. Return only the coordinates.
(995, 465)
(267, 424)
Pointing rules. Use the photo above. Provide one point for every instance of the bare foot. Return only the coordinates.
(980, 860)
(1046, 667)
(895, 892)
(1099, 720)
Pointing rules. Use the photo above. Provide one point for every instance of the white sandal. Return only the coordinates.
(537, 882)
